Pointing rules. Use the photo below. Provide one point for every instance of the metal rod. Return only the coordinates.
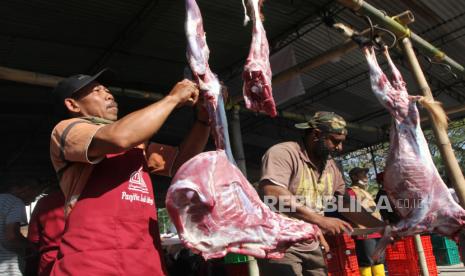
(362, 7)
(442, 140)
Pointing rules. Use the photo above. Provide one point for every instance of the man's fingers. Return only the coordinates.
(193, 93)
(196, 94)
(348, 227)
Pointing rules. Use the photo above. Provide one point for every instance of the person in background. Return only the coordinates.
(45, 230)
(17, 192)
(389, 215)
(103, 165)
(365, 244)
(307, 171)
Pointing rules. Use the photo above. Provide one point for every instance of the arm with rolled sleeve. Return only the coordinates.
(71, 139)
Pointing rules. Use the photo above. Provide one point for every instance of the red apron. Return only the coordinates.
(113, 229)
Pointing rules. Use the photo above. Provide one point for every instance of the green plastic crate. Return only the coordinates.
(445, 250)
(440, 242)
(447, 256)
(232, 258)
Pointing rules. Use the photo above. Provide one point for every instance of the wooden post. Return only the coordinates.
(421, 256)
(442, 140)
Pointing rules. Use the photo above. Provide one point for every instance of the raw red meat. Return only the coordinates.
(213, 206)
(257, 70)
(411, 179)
(216, 210)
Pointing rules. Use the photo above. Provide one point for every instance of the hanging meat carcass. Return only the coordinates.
(411, 179)
(213, 206)
(257, 70)
(216, 211)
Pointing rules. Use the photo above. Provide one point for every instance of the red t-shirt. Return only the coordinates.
(46, 228)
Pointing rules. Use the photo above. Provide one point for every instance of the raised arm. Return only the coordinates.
(139, 126)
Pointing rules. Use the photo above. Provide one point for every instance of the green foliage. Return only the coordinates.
(456, 133)
(164, 222)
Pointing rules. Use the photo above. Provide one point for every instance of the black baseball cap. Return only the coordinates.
(69, 86)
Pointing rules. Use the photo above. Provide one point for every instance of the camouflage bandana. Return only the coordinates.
(325, 121)
(97, 120)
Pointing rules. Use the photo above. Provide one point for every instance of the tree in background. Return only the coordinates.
(456, 134)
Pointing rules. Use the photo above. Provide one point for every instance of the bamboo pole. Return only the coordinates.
(442, 140)
(401, 31)
(39, 79)
(28, 77)
(421, 255)
(46, 80)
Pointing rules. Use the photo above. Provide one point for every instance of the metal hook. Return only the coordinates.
(447, 67)
(375, 38)
(391, 34)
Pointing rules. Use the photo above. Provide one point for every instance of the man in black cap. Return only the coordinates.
(102, 164)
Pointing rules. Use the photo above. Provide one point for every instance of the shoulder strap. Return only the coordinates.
(63, 141)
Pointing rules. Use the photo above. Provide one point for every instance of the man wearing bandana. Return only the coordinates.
(305, 175)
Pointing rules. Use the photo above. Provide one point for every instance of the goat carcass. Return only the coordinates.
(213, 206)
(257, 70)
(411, 179)
(216, 210)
